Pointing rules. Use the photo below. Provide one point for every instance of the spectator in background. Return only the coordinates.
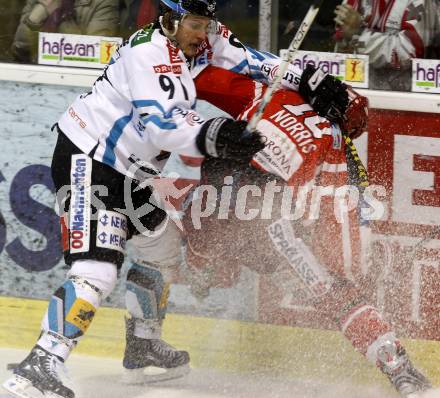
(87, 17)
(390, 32)
(135, 14)
(9, 19)
(291, 14)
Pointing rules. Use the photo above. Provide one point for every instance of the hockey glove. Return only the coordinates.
(327, 95)
(226, 139)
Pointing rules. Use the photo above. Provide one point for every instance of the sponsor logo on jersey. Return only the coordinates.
(80, 177)
(76, 118)
(112, 230)
(280, 156)
(176, 69)
(174, 54)
(300, 258)
(204, 53)
(222, 30)
(191, 117)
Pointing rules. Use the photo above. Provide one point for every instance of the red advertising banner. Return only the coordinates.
(401, 275)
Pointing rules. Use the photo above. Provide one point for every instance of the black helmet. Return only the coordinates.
(204, 8)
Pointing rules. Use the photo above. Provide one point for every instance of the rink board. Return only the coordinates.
(235, 346)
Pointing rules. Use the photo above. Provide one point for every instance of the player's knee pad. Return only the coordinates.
(147, 292)
(73, 306)
(101, 274)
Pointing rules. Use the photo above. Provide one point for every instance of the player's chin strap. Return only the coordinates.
(171, 34)
(287, 58)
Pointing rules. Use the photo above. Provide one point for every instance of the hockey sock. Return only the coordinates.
(367, 331)
(146, 299)
(73, 306)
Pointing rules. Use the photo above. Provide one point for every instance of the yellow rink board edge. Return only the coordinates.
(226, 345)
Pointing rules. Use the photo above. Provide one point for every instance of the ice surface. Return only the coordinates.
(100, 377)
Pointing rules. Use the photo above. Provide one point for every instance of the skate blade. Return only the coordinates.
(153, 374)
(20, 387)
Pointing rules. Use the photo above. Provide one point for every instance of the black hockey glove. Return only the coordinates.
(327, 95)
(226, 139)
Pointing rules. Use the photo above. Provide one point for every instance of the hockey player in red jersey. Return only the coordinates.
(252, 220)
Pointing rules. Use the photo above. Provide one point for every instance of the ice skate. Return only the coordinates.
(151, 360)
(38, 376)
(408, 381)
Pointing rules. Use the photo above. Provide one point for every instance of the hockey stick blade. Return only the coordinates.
(293, 48)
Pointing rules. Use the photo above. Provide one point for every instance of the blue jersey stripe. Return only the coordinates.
(146, 103)
(159, 122)
(111, 141)
(239, 67)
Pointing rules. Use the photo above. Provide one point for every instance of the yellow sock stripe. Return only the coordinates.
(224, 344)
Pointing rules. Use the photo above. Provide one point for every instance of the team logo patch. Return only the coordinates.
(111, 231)
(81, 314)
(79, 218)
(143, 36)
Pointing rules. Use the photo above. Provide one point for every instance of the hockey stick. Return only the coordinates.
(288, 56)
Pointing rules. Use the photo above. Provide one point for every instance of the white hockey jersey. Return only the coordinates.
(144, 102)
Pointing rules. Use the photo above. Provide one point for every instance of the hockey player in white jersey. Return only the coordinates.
(140, 108)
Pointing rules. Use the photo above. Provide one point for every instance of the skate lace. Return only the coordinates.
(54, 367)
(164, 349)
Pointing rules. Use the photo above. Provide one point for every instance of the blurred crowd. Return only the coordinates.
(391, 32)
